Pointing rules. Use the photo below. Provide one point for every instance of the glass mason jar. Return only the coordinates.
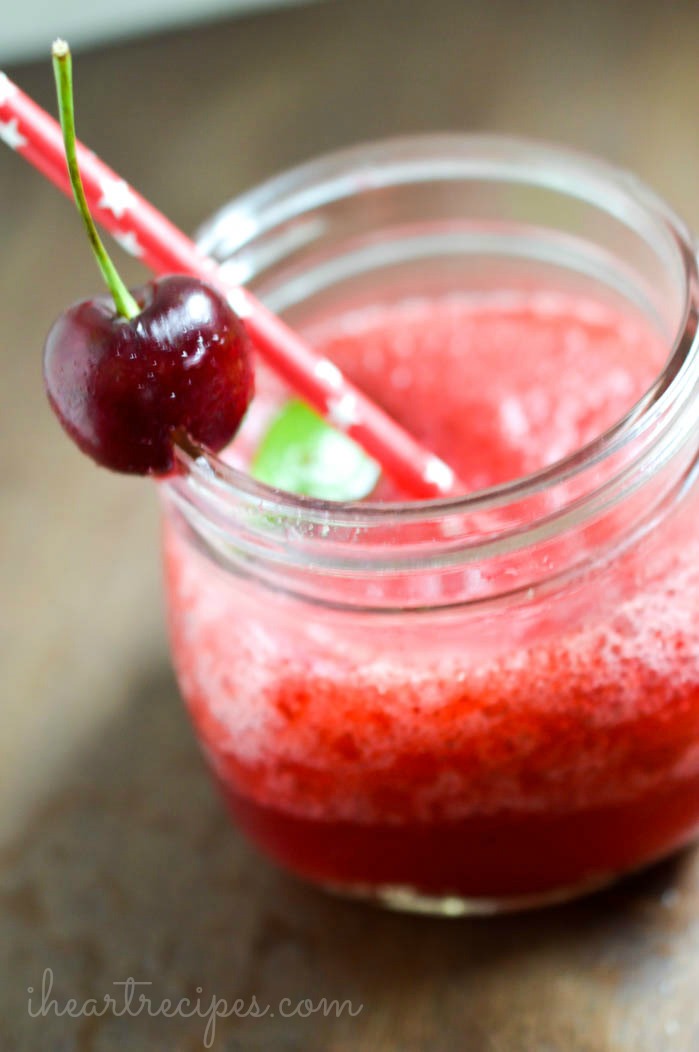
(473, 704)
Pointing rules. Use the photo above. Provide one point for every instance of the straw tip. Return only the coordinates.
(59, 48)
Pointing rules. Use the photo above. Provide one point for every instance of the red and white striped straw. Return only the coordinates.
(146, 233)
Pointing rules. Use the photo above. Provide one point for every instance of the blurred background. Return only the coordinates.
(194, 101)
(28, 26)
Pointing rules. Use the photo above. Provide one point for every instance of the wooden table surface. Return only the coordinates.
(117, 860)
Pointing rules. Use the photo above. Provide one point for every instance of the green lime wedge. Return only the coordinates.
(302, 454)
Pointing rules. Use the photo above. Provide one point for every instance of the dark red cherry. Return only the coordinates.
(121, 386)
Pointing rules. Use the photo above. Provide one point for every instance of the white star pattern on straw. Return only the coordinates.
(10, 134)
(439, 473)
(7, 89)
(116, 197)
(327, 373)
(343, 412)
(129, 242)
(239, 302)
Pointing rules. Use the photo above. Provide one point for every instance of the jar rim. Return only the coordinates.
(547, 166)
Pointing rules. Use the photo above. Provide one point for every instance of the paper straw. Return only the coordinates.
(147, 234)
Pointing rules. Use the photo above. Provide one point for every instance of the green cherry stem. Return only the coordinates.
(125, 304)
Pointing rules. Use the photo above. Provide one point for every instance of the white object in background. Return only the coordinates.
(30, 26)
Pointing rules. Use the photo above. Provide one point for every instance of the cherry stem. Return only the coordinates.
(124, 302)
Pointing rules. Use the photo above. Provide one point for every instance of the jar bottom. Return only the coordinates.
(404, 899)
(481, 864)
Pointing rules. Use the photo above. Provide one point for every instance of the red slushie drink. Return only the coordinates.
(489, 702)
